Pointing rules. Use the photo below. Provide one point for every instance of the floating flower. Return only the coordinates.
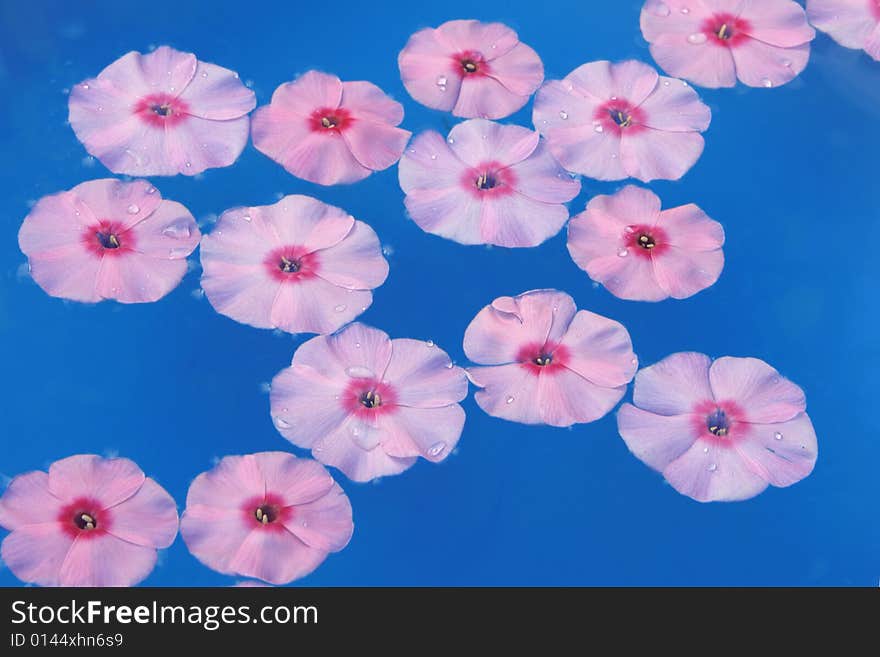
(852, 23)
(90, 521)
(547, 362)
(719, 431)
(369, 405)
(626, 243)
(486, 184)
(268, 515)
(471, 69)
(108, 239)
(327, 131)
(764, 44)
(161, 114)
(299, 265)
(613, 121)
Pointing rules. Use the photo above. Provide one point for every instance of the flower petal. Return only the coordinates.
(709, 472)
(848, 22)
(509, 392)
(688, 227)
(324, 523)
(675, 107)
(682, 273)
(539, 177)
(137, 278)
(304, 405)
(425, 69)
(600, 350)
(217, 93)
(656, 440)
(297, 481)
(658, 154)
(675, 385)
(213, 534)
(277, 557)
(106, 561)
(148, 518)
(376, 146)
(520, 70)
(782, 453)
(356, 262)
(764, 395)
(477, 141)
(27, 500)
(705, 64)
(516, 221)
(566, 398)
(428, 432)
(761, 65)
(487, 98)
(423, 375)
(777, 22)
(35, 553)
(109, 481)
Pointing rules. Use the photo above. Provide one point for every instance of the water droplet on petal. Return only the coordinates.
(433, 156)
(685, 10)
(563, 115)
(767, 82)
(705, 450)
(360, 372)
(204, 74)
(133, 209)
(509, 400)
(179, 230)
(281, 423)
(340, 308)
(151, 190)
(697, 38)
(85, 86)
(188, 165)
(599, 128)
(777, 435)
(437, 449)
(712, 467)
(429, 343)
(246, 217)
(441, 82)
(622, 253)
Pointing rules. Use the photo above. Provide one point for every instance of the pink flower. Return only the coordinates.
(613, 121)
(161, 114)
(327, 131)
(548, 363)
(268, 515)
(90, 521)
(471, 69)
(639, 253)
(719, 431)
(764, 43)
(852, 23)
(369, 405)
(108, 239)
(299, 265)
(486, 184)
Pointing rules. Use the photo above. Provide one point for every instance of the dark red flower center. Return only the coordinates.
(371, 399)
(490, 178)
(108, 238)
(367, 397)
(84, 518)
(161, 110)
(329, 120)
(719, 422)
(470, 63)
(266, 513)
(543, 358)
(875, 9)
(645, 241)
(619, 115)
(291, 264)
(725, 29)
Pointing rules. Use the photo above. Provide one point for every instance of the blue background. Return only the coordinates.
(790, 172)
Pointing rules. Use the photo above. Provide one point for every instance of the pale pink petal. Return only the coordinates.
(508, 391)
(517, 221)
(68, 272)
(127, 75)
(169, 233)
(600, 350)
(376, 146)
(35, 553)
(213, 534)
(688, 227)
(423, 375)
(682, 273)
(658, 154)
(297, 481)
(167, 69)
(136, 278)
(540, 177)
(106, 561)
(587, 151)
(872, 45)
(703, 63)
(28, 501)
(123, 201)
(357, 346)
(631, 205)
(675, 106)
(198, 144)
(500, 330)
(121, 140)
(559, 105)
(520, 70)
(709, 472)
(761, 65)
(623, 274)
(602, 80)
(148, 518)
(300, 220)
(304, 405)
(310, 91)
(325, 159)
(450, 213)
(566, 398)
(477, 141)
(493, 40)
(230, 483)
(243, 292)
(54, 225)
(325, 523)
(675, 385)
(428, 432)
(368, 102)
(277, 557)
(316, 306)
(656, 440)
(762, 393)
(783, 453)
(343, 449)
(777, 22)
(108, 481)
(487, 98)
(849, 22)
(426, 71)
(217, 93)
(659, 18)
(429, 163)
(356, 262)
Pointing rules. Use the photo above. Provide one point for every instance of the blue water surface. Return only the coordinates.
(790, 172)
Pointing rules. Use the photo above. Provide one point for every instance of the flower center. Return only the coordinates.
(266, 513)
(486, 180)
(718, 423)
(329, 122)
(289, 266)
(646, 241)
(621, 118)
(543, 360)
(85, 521)
(107, 240)
(162, 110)
(371, 399)
(469, 66)
(724, 32)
